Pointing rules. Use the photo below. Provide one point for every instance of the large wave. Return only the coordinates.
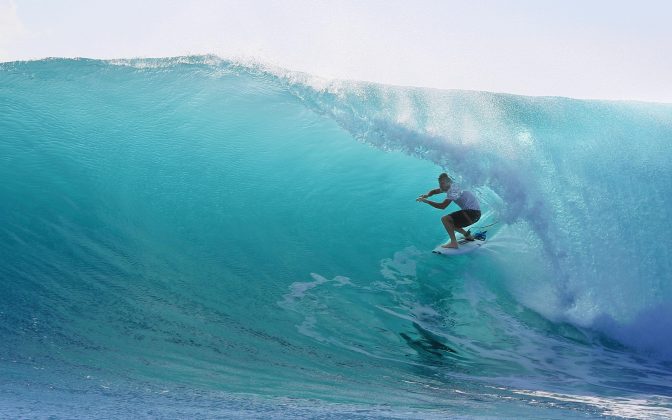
(206, 223)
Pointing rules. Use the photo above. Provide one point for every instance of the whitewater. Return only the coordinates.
(202, 237)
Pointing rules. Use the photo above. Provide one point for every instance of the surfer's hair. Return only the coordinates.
(445, 176)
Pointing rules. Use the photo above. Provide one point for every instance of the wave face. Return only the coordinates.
(225, 238)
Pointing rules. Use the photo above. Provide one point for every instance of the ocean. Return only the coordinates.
(198, 237)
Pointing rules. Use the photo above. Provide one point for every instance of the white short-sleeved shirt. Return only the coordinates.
(465, 199)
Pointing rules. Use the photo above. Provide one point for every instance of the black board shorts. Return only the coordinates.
(462, 218)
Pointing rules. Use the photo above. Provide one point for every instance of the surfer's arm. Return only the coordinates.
(439, 206)
(431, 193)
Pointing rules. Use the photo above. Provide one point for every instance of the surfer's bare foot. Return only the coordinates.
(449, 245)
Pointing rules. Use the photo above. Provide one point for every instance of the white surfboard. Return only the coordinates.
(464, 246)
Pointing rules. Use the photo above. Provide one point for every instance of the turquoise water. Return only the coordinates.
(198, 237)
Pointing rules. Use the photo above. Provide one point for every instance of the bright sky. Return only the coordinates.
(608, 49)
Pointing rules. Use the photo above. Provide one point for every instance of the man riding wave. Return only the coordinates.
(469, 213)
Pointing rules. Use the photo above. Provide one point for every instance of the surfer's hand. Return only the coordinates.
(420, 199)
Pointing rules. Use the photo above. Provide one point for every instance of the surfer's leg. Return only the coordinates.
(447, 221)
(465, 233)
(462, 219)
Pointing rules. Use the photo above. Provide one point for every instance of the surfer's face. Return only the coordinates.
(444, 184)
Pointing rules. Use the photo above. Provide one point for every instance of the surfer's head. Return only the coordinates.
(444, 182)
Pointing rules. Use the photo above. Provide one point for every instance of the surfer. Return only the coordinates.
(469, 212)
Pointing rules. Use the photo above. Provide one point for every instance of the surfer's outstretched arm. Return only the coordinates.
(433, 192)
(430, 193)
(434, 204)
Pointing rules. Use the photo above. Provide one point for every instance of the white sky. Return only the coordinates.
(578, 48)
